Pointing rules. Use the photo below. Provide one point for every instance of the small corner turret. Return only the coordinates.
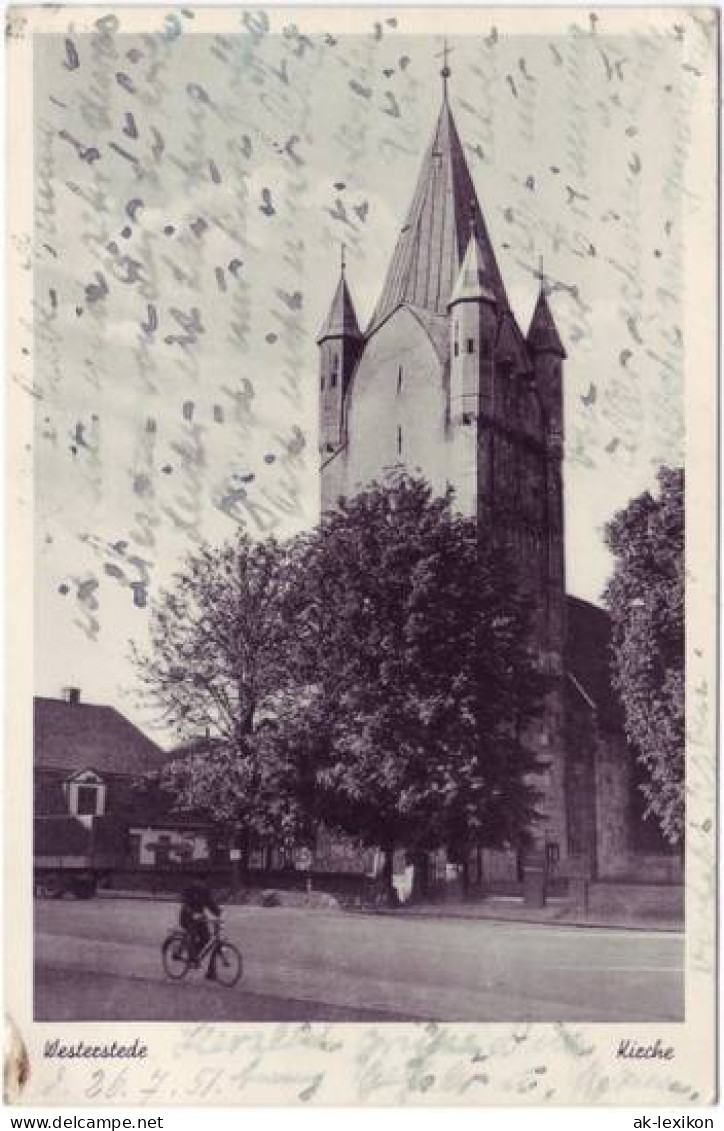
(548, 354)
(474, 282)
(543, 336)
(473, 313)
(340, 344)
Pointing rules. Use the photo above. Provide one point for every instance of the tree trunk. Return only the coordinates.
(240, 866)
(465, 875)
(388, 854)
(421, 875)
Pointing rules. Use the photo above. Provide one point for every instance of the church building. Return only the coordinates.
(444, 383)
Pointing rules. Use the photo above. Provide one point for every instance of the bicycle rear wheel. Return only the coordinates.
(176, 956)
(228, 964)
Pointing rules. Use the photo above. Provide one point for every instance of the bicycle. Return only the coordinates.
(176, 955)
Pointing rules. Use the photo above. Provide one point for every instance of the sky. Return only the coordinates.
(192, 191)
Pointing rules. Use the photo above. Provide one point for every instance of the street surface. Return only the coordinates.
(315, 965)
(74, 995)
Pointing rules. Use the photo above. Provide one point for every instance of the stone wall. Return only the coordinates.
(613, 788)
(395, 412)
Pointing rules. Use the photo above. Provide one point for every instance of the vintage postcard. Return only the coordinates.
(361, 475)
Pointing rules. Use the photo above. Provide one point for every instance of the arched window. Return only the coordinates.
(471, 345)
(399, 380)
(335, 370)
(399, 440)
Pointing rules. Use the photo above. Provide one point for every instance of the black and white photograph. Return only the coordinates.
(363, 465)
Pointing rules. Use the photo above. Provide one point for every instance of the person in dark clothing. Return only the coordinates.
(198, 898)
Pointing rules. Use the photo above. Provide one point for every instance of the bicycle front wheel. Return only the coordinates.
(176, 956)
(228, 964)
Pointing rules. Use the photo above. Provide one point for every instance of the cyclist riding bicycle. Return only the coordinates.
(197, 898)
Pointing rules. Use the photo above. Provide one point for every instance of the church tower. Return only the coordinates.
(340, 344)
(444, 384)
(473, 323)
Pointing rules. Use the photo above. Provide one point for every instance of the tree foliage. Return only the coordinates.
(419, 640)
(217, 659)
(646, 600)
(375, 673)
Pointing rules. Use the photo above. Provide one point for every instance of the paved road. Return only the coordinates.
(74, 995)
(453, 970)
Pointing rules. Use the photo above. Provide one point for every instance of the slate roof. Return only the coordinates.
(438, 330)
(588, 658)
(79, 736)
(426, 261)
(341, 321)
(474, 280)
(542, 333)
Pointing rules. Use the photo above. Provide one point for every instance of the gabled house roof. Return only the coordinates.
(73, 736)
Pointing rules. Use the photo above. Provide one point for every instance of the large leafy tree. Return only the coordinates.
(217, 663)
(375, 674)
(646, 600)
(419, 646)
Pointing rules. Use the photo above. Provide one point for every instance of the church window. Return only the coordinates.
(335, 371)
(471, 345)
(467, 418)
(399, 380)
(399, 440)
(323, 383)
(456, 349)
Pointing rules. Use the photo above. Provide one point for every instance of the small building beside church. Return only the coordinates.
(93, 815)
(444, 383)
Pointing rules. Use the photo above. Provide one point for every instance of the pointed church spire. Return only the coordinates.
(341, 321)
(543, 336)
(430, 248)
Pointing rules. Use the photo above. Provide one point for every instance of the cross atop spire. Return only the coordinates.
(541, 276)
(445, 72)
